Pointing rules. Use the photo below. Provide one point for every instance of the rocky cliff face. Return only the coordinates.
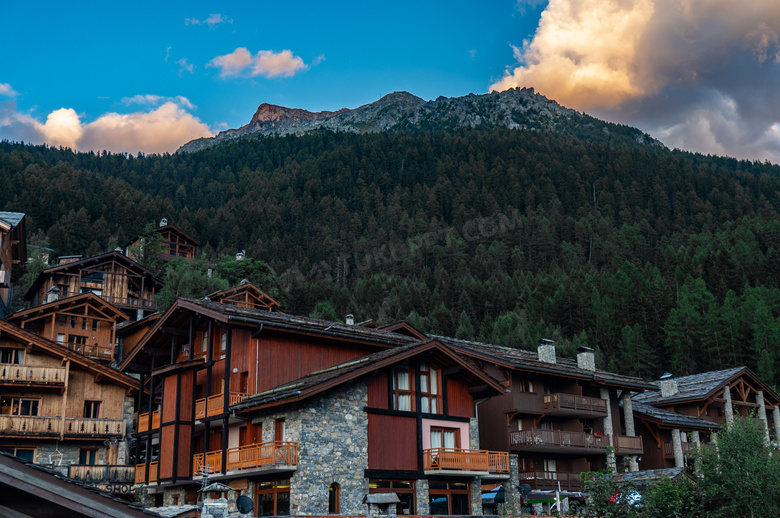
(518, 108)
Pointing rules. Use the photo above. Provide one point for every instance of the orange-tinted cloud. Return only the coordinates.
(265, 63)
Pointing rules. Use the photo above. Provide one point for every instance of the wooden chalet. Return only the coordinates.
(560, 417)
(246, 295)
(683, 412)
(61, 408)
(174, 243)
(13, 252)
(83, 323)
(117, 279)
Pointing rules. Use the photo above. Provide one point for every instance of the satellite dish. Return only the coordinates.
(525, 489)
(245, 504)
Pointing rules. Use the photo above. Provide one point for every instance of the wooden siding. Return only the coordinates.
(167, 438)
(459, 402)
(392, 442)
(378, 395)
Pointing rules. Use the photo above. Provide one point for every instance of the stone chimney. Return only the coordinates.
(586, 359)
(546, 350)
(163, 222)
(350, 320)
(53, 294)
(668, 385)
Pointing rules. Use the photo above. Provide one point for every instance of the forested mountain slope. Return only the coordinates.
(661, 260)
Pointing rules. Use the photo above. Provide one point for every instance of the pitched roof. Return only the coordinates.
(92, 261)
(701, 386)
(165, 228)
(523, 360)
(672, 419)
(245, 288)
(319, 381)
(642, 478)
(9, 220)
(60, 304)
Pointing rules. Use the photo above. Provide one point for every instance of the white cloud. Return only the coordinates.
(159, 130)
(153, 100)
(693, 71)
(184, 66)
(212, 21)
(7, 91)
(265, 63)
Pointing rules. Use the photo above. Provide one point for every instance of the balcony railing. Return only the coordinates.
(95, 351)
(52, 426)
(456, 459)
(103, 476)
(143, 421)
(130, 301)
(549, 480)
(215, 405)
(570, 404)
(267, 454)
(687, 449)
(628, 444)
(555, 440)
(140, 473)
(26, 375)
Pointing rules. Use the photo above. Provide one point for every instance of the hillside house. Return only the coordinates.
(61, 408)
(165, 242)
(117, 279)
(13, 252)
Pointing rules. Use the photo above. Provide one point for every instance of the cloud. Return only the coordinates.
(159, 130)
(671, 67)
(319, 59)
(265, 63)
(185, 67)
(7, 91)
(154, 100)
(212, 21)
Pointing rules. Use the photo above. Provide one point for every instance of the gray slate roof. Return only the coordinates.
(672, 418)
(528, 360)
(642, 478)
(11, 218)
(693, 387)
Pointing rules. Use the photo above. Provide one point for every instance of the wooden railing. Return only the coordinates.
(628, 444)
(274, 453)
(687, 448)
(52, 426)
(102, 475)
(143, 421)
(558, 438)
(97, 351)
(214, 405)
(547, 480)
(573, 403)
(465, 460)
(140, 473)
(129, 301)
(24, 374)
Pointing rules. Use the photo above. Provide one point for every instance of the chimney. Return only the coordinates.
(350, 320)
(53, 294)
(586, 360)
(240, 255)
(163, 222)
(668, 385)
(546, 350)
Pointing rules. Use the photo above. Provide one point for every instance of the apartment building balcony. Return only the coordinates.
(215, 404)
(94, 351)
(558, 441)
(144, 421)
(456, 461)
(70, 427)
(112, 478)
(28, 376)
(550, 480)
(687, 449)
(140, 473)
(628, 444)
(267, 456)
(571, 405)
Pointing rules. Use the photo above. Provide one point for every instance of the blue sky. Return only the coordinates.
(150, 76)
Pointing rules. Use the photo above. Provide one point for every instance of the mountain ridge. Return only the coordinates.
(516, 108)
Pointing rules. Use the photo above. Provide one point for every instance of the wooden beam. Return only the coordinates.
(174, 331)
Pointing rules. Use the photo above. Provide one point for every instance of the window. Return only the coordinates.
(449, 498)
(223, 345)
(94, 324)
(204, 345)
(27, 454)
(333, 498)
(403, 389)
(88, 456)
(72, 323)
(405, 490)
(19, 406)
(13, 356)
(62, 320)
(92, 277)
(273, 498)
(525, 386)
(445, 438)
(430, 389)
(84, 323)
(61, 338)
(92, 409)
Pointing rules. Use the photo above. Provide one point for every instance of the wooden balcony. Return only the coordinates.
(549, 480)
(94, 351)
(574, 406)
(74, 427)
(140, 473)
(687, 449)
(214, 405)
(628, 444)
(32, 376)
(109, 478)
(253, 456)
(558, 441)
(132, 302)
(143, 421)
(459, 460)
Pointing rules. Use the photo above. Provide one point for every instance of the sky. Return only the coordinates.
(700, 75)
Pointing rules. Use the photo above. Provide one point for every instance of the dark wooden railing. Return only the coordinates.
(573, 404)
